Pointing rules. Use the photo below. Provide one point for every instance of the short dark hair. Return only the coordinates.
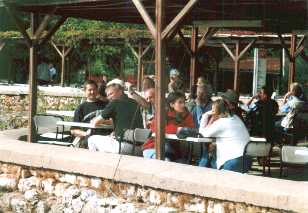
(87, 82)
(267, 90)
(173, 96)
(150, 82)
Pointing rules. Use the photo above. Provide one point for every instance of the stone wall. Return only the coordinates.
(45, 178)
(27, 189)
(14, 103)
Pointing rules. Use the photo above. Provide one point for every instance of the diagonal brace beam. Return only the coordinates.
(56, 48)
(209, 33)
(2, 45)
(20, 26)
(133, 50)
(52, 31)
(176, 21)
(246, 48)
(147, 19)
(185, 43)
(228, 51)
(42, 26)
(146, 50)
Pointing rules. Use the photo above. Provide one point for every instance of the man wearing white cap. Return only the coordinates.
(125, 114)
(175, 84)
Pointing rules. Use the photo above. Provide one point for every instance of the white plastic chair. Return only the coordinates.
(258, 149)
(136, 137)
(52, 136)
(293, 155)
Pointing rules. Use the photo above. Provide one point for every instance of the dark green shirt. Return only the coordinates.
(125, 114)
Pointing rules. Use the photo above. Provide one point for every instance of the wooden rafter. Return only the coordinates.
(146, 50)
(186, 45)
(133, 50)
(42, 26)
(209, 33)
(56, 48)
(228, 51)
(20, 25)
(246, 48)
(147, 19)
(179, 17)
(52, 31)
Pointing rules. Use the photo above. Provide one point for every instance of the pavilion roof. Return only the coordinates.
(276, 15)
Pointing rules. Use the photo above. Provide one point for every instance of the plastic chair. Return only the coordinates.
(140, 137)
(136, 137)
(44, 122)
(258, 149)
(293, 155)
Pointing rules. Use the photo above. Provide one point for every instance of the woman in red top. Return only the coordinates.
(177, 116)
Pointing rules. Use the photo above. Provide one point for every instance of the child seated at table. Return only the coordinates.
(231, 137)
(177, 116)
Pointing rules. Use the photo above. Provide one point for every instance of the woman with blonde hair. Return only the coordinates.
(231, 137)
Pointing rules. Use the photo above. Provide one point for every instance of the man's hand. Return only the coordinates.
(96, 121)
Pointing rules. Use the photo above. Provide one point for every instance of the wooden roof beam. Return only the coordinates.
(52, 31)
(20, 25)
(147, 19)
(185, 43)
(229, 23)
(209, 33)
(179, 17)
(43, 25)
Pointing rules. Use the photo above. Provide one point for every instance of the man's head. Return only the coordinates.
(231, 97)
(147, 83)
(115, 89)
(149, 95)
(202, 93)
(174, 74)
(90, 88)
(296, 89)
(265, 93)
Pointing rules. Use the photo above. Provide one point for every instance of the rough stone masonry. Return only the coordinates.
(25, 189)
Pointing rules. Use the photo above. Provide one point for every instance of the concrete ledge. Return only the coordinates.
(223, 185)
(23, 89)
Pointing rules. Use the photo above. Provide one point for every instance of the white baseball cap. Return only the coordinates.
(174, 72)
(116, 81)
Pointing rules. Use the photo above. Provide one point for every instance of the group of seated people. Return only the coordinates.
(225, 118)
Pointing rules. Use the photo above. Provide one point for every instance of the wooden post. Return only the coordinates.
(193, 63)
(2, 45)
(292, 60)
(160, 57)
(63, 66)
(139, 73)
(34, 42)
(216, 75)
(122, 66)
(236, 58)
(63, 54)
(295, 50)
(68, 71)
(236, 84)
(33, 80)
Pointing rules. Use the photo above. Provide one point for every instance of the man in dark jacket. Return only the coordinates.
(124, 113)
